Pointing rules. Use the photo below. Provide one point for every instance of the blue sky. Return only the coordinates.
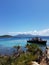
(23, 15)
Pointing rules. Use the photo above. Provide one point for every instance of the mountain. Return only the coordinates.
(23, 35)
(6, 36)
(29, 35)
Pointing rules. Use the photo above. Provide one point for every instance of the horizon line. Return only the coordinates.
(44, 32)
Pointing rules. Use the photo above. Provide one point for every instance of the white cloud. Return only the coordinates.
(44, 32)
(35, 32)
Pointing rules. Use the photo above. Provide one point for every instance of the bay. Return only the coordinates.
(7, 44)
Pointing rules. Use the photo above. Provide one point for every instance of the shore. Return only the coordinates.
(33, 54)
(44, 58)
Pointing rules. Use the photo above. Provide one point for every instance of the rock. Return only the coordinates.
(47, 52)
(34, 63)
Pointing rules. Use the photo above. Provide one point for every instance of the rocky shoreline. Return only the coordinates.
(32, 56)
(44, 58)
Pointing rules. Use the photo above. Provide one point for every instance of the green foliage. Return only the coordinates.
(33, 51)
(33, 48)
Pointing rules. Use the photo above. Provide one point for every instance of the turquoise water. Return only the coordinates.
(6, 45)
(15, 42)
(12, 42)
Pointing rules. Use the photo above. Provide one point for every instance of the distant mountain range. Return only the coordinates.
(29, 35)
(22, 36)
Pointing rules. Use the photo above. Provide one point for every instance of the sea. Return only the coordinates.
(7, 44)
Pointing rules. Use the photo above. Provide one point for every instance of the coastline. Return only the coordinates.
(20, 55)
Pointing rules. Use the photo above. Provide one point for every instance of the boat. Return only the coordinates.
(37, 40)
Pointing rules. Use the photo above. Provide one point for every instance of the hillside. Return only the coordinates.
(6, 36)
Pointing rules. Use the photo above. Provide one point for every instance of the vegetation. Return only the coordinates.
(22, 58)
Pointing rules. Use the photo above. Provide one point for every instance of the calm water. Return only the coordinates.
(6, 45)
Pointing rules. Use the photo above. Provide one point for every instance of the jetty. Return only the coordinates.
(37, 40)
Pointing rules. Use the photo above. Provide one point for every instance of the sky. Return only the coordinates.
(24, 16)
